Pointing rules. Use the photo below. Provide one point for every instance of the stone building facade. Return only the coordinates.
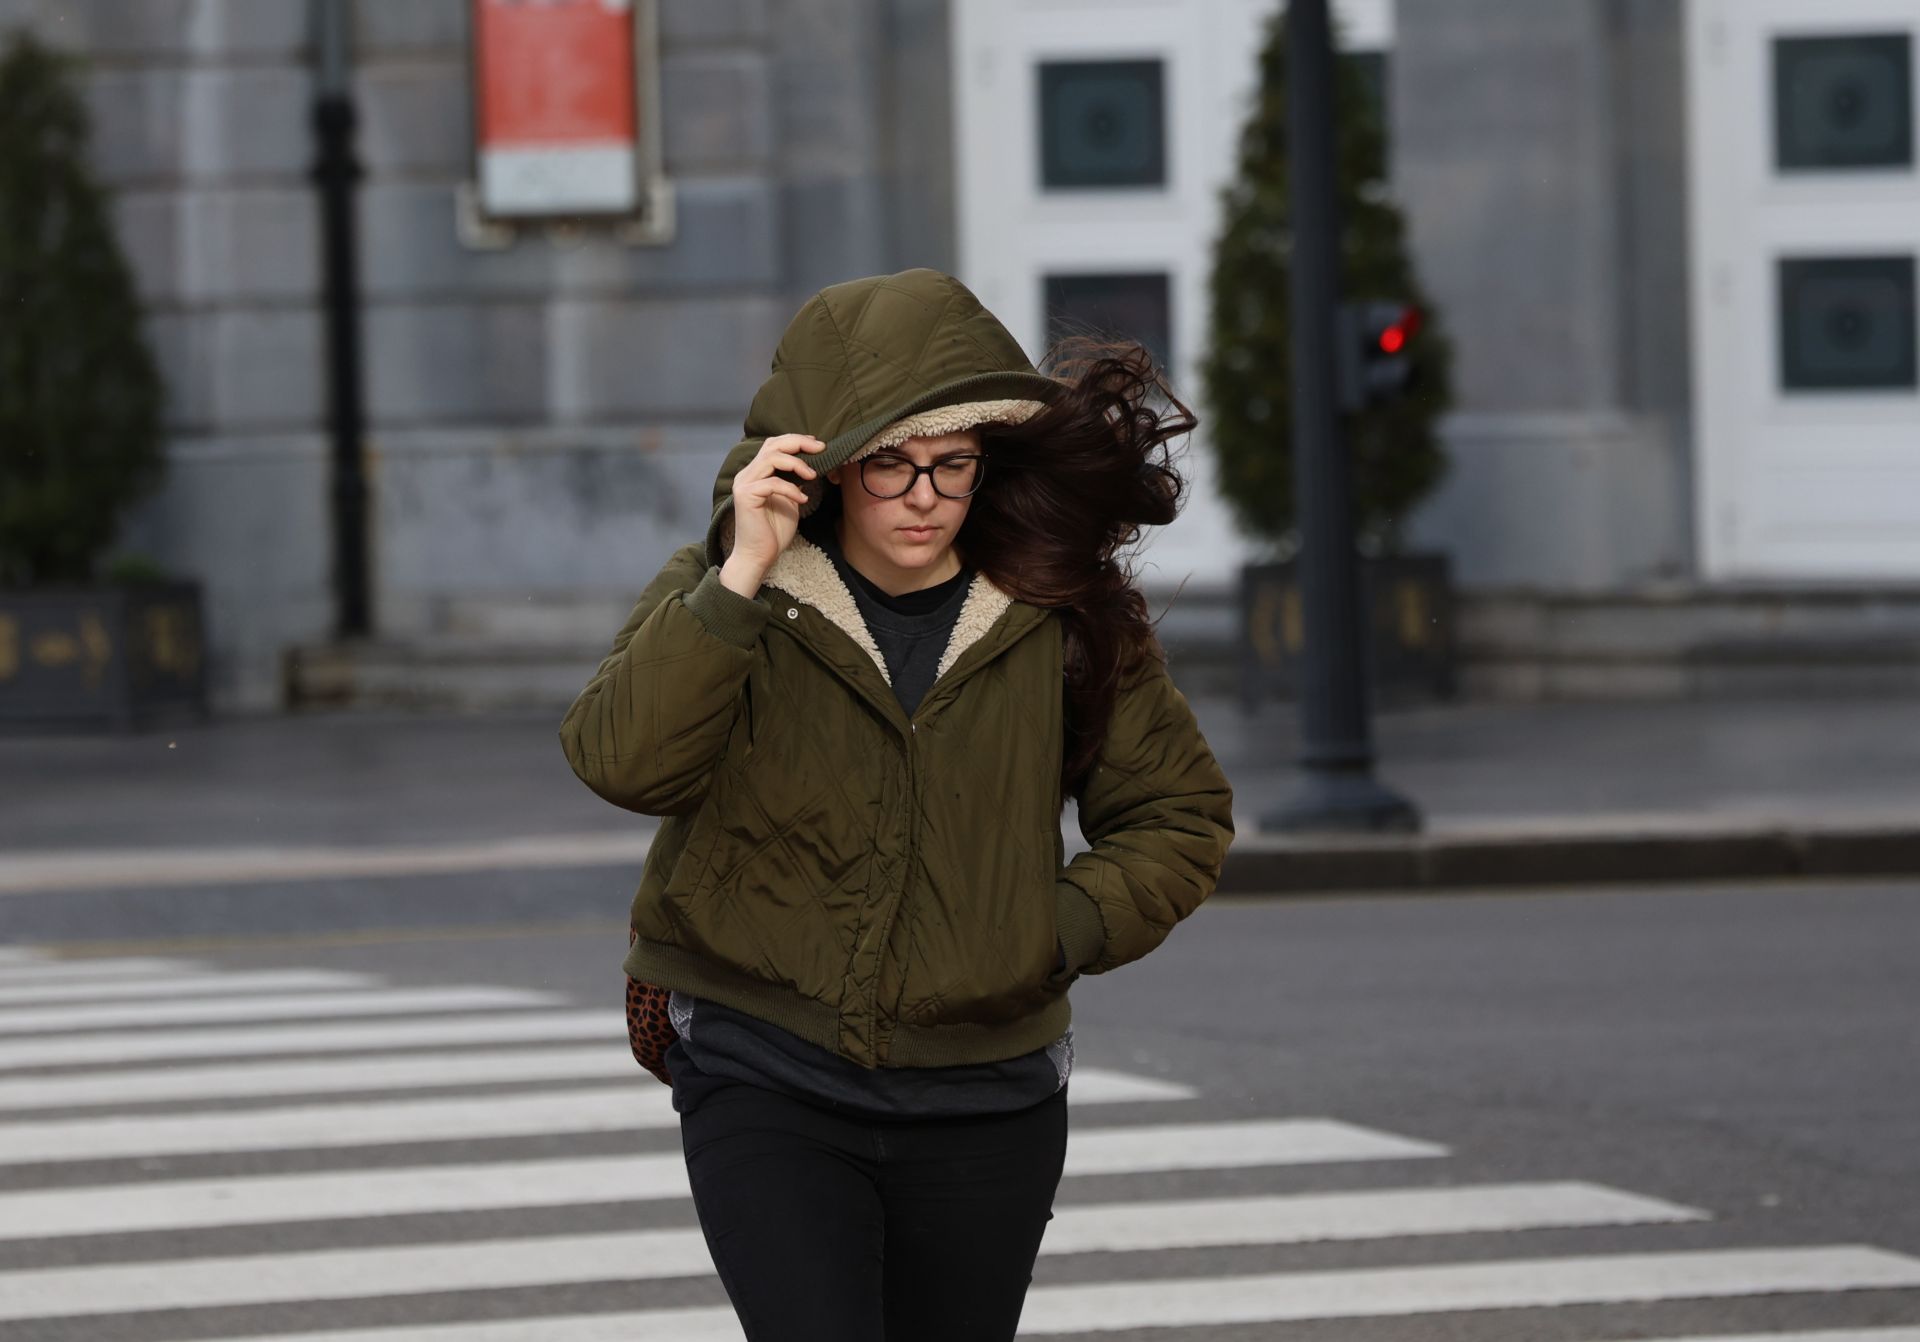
(1582, 180)
(543, 420)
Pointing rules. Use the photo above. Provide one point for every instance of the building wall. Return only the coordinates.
(1540, 154)
(544, 421)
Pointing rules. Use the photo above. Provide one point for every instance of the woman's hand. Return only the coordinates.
(766, 509)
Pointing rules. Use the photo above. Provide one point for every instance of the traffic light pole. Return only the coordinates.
(1336, 788)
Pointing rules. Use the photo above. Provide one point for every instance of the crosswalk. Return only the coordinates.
(315, 1154)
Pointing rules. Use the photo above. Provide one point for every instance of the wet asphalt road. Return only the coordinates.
(1748, 1053)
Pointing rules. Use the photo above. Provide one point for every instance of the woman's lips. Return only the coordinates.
(918, 533)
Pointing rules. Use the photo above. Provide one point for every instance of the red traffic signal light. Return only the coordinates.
(1396, 337)
(1376, 351)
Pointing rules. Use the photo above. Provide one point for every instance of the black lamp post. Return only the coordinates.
(1336, 788)
(336, 172)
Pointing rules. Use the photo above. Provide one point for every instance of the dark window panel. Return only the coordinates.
(1131, 306)
(1373, 69)
(1102, 124)
(1843, 103)
(1848, 324)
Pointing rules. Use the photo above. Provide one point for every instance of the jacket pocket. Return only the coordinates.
(748, 695)
(1058, 980)
(1052, 841)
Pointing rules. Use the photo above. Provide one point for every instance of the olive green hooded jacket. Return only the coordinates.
(887, 888)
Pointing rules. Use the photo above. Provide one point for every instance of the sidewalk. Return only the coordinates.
(1511, 794)
(1534, 794)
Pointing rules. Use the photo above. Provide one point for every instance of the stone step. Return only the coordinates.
(1689, 642)
(1672, 643)
(1687, 621)
(458, 675)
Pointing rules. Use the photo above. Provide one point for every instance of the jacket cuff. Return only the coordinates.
(726, 614)
(1078, 922)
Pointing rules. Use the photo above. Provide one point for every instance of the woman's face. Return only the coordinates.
(905, 543)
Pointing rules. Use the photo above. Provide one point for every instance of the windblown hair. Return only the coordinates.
(1064, 493)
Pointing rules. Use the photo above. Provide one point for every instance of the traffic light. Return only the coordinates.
(1376, 361)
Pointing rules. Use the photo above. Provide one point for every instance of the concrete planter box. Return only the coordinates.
(1410, 615)
(106, 656)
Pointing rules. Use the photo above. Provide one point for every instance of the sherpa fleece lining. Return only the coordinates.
(944, 419)
(805, 572)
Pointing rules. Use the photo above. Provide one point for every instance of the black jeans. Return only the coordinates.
(833, 1227)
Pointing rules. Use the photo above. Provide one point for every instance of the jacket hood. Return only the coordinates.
(875, 361)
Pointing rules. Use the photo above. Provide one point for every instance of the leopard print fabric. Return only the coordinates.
(649, 1029)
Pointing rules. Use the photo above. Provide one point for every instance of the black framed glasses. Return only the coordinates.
(887, 476)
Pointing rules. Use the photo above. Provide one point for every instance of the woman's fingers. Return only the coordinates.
(756, 487)
(768, 462)
(781, 452)
(771, 486)
(805, 441)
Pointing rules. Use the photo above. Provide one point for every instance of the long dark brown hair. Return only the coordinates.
(1064, 494)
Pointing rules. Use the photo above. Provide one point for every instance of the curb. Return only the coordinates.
(1465, 859)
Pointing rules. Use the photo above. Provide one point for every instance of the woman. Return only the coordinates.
(860, 705)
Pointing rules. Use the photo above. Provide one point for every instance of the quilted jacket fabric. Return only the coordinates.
(893, 889)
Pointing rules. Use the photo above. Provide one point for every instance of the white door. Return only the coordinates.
(1803, 133)
(1094, 137)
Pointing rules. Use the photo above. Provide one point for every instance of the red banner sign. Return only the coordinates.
(555, 110)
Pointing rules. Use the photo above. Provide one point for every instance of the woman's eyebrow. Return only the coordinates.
(944, 456)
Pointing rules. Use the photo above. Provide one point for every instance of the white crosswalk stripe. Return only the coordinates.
(594, 1062)
(249, 1071)
(29, 1020)
(120, 1046)
(1297, 1296)
(496, 1185)
(331, 1126)
(1516, 1284)
(146, 987)
(617, 1109)
(566, 1259)
(498, 1066)
(93, 970)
